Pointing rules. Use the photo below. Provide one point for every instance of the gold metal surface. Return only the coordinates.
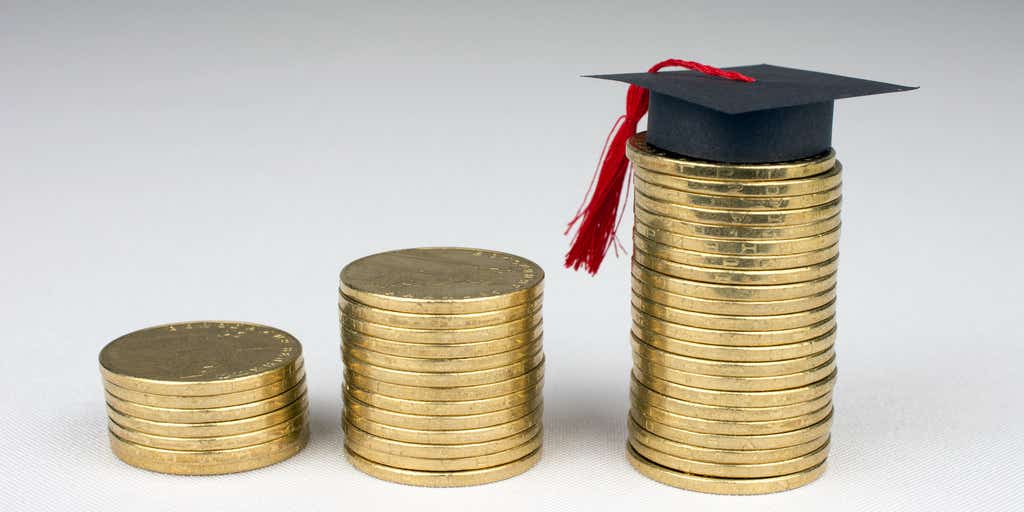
(638, 435)
(654, 190)
(460, 336)
(446, 379)
(284, 428)
(737, 398)
(750, 354)
(734, 322)
(443, 351)
(208, 414)
(732, 292)
(196, 402)
(732, 338)
(209, 462)
(828, 180)
(763, 470)
(731, 307)
(741, 277)
(200, 358)
(739, 218)
(354, 309)
(734, 442)
(727, 368)
(214, 429)
(447, 464)
(729, 262)
(444, 408)
(356, 437)
(442, 280)
(446, 437)
(453, 365)
(734, 232)
(730, 383)
(444, 478)
(712, 485)
(461, 393)
(770, 247)
(656, 160)
(730, 427)
(354, 407)
(650, 397)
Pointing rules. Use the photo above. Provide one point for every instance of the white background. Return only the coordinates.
(197, 161)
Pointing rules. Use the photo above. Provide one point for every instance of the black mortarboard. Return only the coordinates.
(786, 114)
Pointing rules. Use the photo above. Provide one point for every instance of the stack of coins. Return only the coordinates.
(205, 398)
(733, 295)
(443, 365)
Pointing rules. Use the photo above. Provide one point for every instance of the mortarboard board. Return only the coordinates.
(784, 114)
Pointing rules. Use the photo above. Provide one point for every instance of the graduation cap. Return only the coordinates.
(746, 115)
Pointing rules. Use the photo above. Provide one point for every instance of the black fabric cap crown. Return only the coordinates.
(785, 115)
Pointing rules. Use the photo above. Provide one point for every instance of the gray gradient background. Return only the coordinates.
(173, 161)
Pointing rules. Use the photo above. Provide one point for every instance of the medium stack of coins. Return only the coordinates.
(443, 365)
(733, 295)
(205, 398)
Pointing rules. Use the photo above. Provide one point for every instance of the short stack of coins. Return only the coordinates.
(733, 296)
(205, 398)
(443, 365)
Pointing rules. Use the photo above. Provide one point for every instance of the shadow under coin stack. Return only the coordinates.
(205, 398)
(733, 294)
(443, 365)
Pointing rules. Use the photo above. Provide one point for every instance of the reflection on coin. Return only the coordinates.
(446, 337)
(446, 437)
(213, 429)
(444, 408)
(656, 191)
(769, 247)
(733, 232)
(731, 427)
(737, 398)
(354, 407)
(729, 383)
(210, 414)
(653, 398)
(734, 322)
(654, 442)
(444, 478)
(448, 379)
(729, 442)
(767, 353)
(198, 402)
(732, 338)
(746, 189)
(452, 365)
(729, 369)
(447, 464)
(354, 436)
(731, 307)
(732, 261)
(653, 159)
(477, 392)
(360, 311)
(209, 462)
(733, 292)
(442, 351)
(284, 428)
(739, 277)
(763, 470)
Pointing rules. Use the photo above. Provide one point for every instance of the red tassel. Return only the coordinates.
(599, 216)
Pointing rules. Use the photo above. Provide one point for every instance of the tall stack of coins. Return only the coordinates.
(733, 295)
(205, 398)
(443, 365)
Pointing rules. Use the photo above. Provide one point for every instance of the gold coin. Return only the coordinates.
(759, 262)
(447, 379)
(742, 277)
(746, 189)
(763, 470)
(729, 307)
(355, 408)
(767, 353)
(728, 442)
(638, 435)
(198, 402)
(737, 398)
(718, 413)
(460, 336)
(735, 486)
(442, 351)
(417, 364)
(213, 429)
(730, 338)
(284, 428)
(444, 478)
(447, 437)
(442, 280)
(739, 247)
(757, 218)
(656, 191)
(731, 292)
(214, 462)
(445, 408)
(356, 437)
(730, 368)
(729, 428)
(200, 358)
(462, 393)
(359, 311)
(734, 322)
(733, 232)
(729, 383)
(461, 464)
(207, 415)
(643, 155)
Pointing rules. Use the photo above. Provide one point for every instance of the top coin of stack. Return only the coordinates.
(203, 398)
(443, 365)
(733, 295)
